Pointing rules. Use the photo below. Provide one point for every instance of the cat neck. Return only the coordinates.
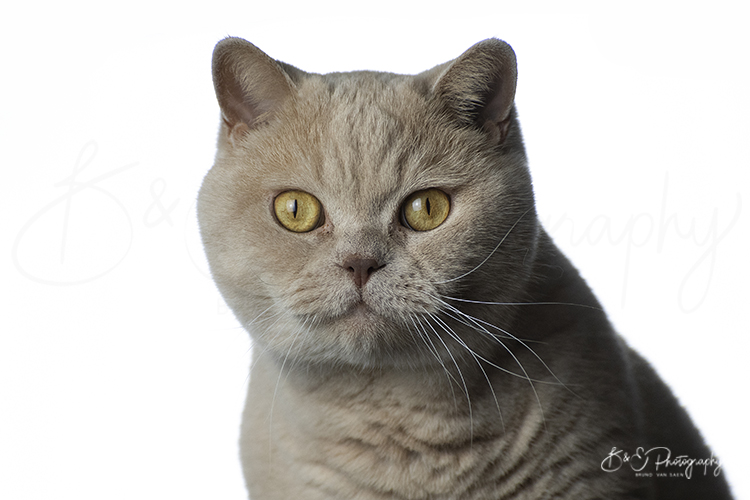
(398, 429)
(319, 403)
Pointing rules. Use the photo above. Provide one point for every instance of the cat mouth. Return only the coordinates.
(360, 315)
(360, 308)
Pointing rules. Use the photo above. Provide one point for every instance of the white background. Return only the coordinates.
(122, 374)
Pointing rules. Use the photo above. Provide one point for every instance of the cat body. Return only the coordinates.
(417, 333)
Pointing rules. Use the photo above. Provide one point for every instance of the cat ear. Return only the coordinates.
(479, 87)
(250, 86)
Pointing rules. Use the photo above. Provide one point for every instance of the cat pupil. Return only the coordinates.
(427, 205)
(291, 207)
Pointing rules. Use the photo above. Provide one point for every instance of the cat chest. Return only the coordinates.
(429, 457)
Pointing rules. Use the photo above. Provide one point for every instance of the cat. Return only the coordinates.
(417, 334)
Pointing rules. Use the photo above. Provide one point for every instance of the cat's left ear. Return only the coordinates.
(250, 86)
(479, 87)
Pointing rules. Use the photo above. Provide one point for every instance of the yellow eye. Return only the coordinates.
(298, 211)
(425, 210)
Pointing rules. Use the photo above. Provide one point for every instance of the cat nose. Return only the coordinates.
(361, 268)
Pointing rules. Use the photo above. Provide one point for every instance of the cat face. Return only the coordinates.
(344, 212)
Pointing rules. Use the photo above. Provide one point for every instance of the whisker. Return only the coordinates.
(429, 346)
(474, 327)
(494, 365)
(523, 343)
(259, 315)
(281, 371)
(458, 339)
(416, 329)
(460, 374)
(497, 337)
(433, 349)
(261, 334)
(254, 342)
(518, 362)
(586, 306)
(297, 358)
(491, 253)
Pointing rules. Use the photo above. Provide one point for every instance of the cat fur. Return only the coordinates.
(474, 363)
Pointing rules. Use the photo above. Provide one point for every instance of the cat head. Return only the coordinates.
(345, 213)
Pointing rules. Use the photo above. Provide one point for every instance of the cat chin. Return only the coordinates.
(360, 337)
(360, 313)
(359, 321)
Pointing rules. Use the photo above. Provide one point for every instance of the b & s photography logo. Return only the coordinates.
(659, 462)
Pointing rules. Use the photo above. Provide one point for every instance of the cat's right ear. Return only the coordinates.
(250, 86)
(479, 87)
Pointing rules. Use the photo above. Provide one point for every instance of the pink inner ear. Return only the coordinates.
(249, 105)
(249, 85)
(497, 107)
(480, 86)
(235, 107)
(501, 95)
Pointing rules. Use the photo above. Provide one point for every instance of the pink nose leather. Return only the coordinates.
(360, 268)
